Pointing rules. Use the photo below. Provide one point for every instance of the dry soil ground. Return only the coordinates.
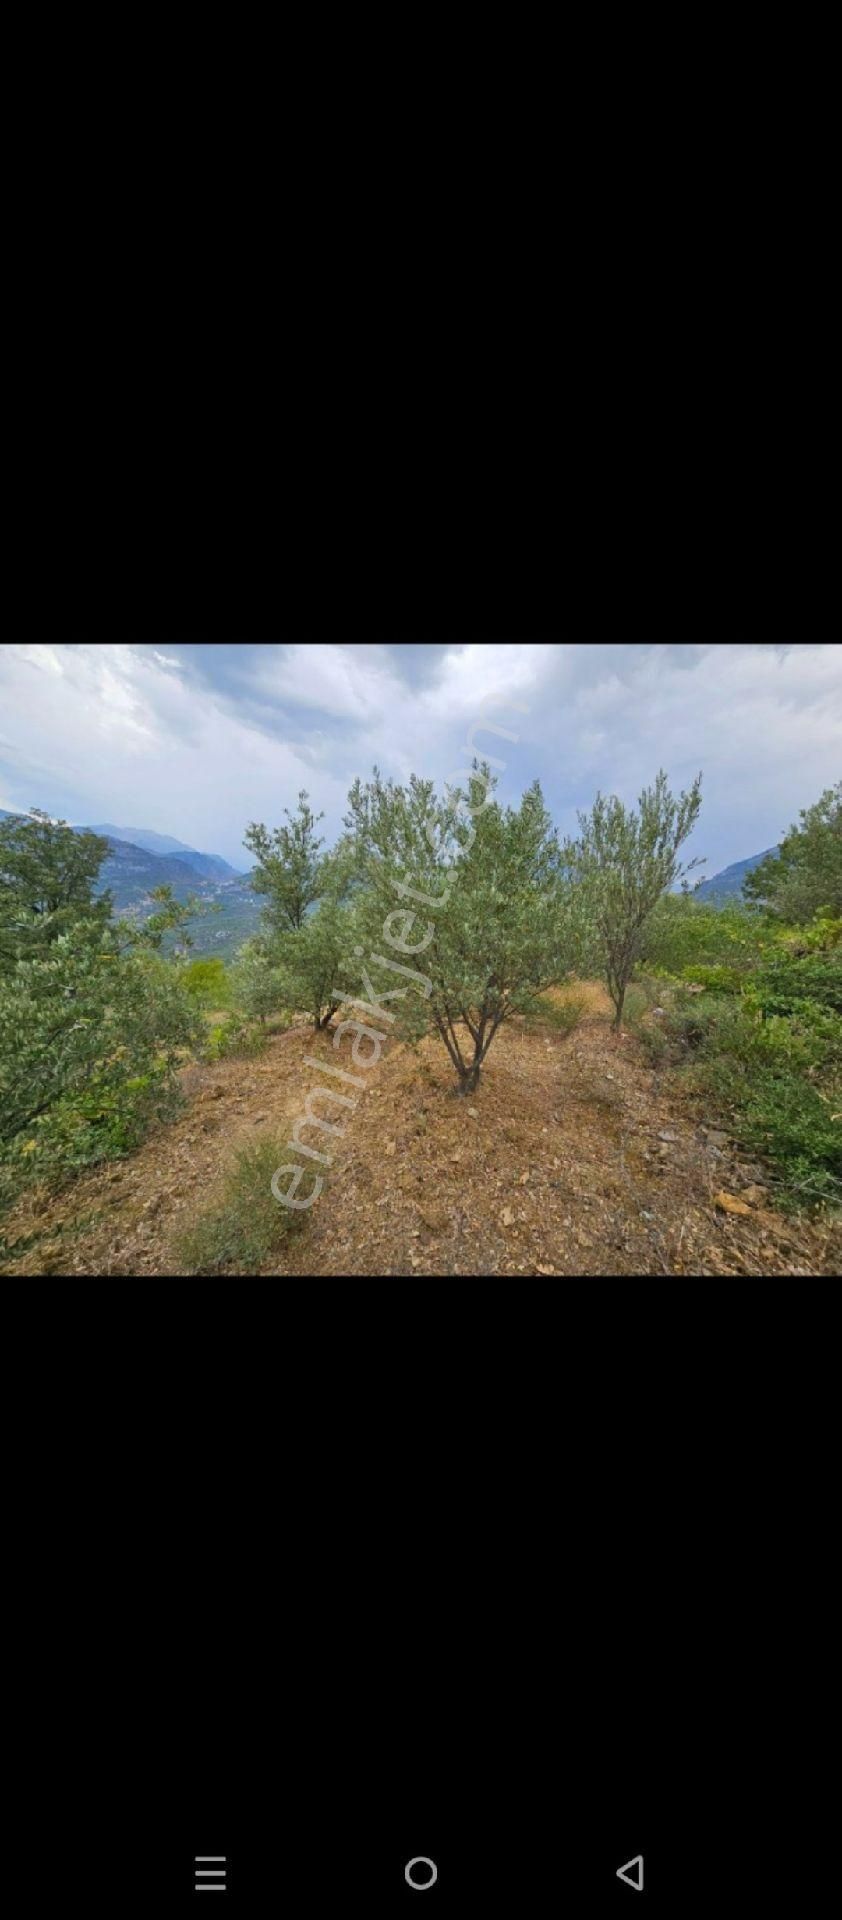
(574, 1157)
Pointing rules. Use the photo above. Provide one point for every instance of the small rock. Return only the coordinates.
(730, 1204)
(667, 1135)
(473, 1113)
(546, 1269)
(507, 1217)
(755, 1195)
(715, 1137)
(391, 1148)
(524, 1178)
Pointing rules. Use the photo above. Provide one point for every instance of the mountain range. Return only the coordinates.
(140, 859)
(131, 869)
(210, 864)
(728, 885)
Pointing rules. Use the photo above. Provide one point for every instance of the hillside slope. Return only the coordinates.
(573, 1158)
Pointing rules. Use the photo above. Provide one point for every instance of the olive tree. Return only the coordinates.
(623, 861)
(289, 868)
(256, 981)
(470, 895)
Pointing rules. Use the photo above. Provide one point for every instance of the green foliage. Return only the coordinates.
(564, 1015)
(234, 1039)
(805, 878)
(772, 1063)
(289, 870)
(684, 935)
(311, 962)
(496, 924)
(718, 979)
(786, 979)
(90, 1040)
(247, 1225)
(823, 933)
(782, 1114)
(208, 983)
(256, 983)
(623, 861)
(169, 924)
(47, 877)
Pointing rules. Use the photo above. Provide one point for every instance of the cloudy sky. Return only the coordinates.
(196, 739)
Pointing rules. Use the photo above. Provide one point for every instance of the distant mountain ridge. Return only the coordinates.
(130, 872)
(728, 885)
(210, 864)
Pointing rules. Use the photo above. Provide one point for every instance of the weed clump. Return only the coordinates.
(247, 1225)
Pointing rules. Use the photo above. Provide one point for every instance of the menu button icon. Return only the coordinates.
(211, 1872)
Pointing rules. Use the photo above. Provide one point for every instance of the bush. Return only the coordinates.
(90, 1045)
(207, 982)
(248, 1224)
(235, 1039)
(785, 1117)
(774, 1076)
(717, 979)
(564, 1014)
(787, 980)
(686, 935)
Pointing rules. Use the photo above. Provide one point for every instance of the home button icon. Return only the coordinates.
(421, 1873)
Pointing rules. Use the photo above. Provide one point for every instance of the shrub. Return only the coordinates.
(562, 1014)
(247, 1225)
(686, 935)
(785, 1117)
(787, 979)
(90, 1044)
(717, 979)
(774, 1076)
(207, 982)
(235, 1039)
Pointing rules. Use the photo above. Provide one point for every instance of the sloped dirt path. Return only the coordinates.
(573, 1158)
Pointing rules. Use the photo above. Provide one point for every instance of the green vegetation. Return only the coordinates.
(289, 871)
(622, 862)
(256, 983)
(247, 1225)
(499, 923)
(764, 1043)
(684, 935)
(233, 1038)
(93, 1021)
(445, 914)
(806, 878)
(564, 1014)
(208, 983)
(47, 876)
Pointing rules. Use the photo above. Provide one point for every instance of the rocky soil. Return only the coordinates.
(573, 1158)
